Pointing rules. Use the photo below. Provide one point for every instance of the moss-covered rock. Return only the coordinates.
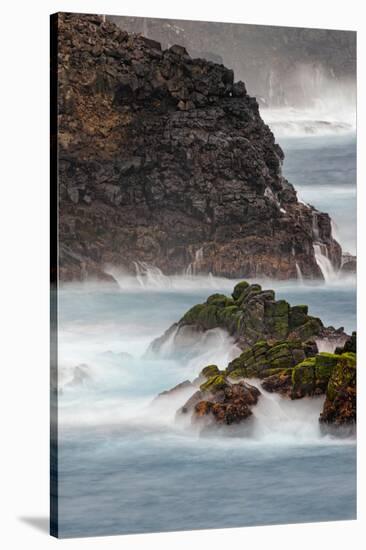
(311, 377)
(248, 294)
(340, 403)
(238, 373)
(219, 300)
(298, 316)
(263, 357)
(239, 289)
(214, 384)
(191, 316)
(312, 327)
(303, 378)
(324, 365)
(210, 371)
(251, 315)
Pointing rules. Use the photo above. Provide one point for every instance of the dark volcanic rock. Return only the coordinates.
(265, 359)
(219, 401)
(340, 405)
(279, 349)
(279, 383)
(350, 345)
(252, 315)
(164, 159)
(279, 63)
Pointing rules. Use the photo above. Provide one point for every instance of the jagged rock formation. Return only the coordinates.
(221, 402)
(251, 315)
(280, 65)
(340, 403)
(224, 397)
(279, 344)
(165, 160)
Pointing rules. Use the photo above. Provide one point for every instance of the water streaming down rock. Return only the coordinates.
(283, 420)
(324, 263)
(335, 231)
(194, 266)
(150, 276)
(299, 274)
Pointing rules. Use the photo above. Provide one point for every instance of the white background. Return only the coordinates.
(24, 306)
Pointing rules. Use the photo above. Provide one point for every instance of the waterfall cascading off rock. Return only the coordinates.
(321, 253)
(194, 266)
(299, 274)
(324, 263)
(284, 421)
(150, 276)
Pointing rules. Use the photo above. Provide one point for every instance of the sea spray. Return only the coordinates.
(281, 420)
(149, 275)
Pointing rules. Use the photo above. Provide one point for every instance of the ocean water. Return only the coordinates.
(126, 465)
(323, 170)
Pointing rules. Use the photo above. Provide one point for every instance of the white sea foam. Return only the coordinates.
(282, 421)
(332, 110)
(109, 334)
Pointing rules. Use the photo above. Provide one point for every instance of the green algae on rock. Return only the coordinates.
(253, 314)
(340, 403)
(279, 347)
(264, 359)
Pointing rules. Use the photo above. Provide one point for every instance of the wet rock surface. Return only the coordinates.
(340, 404)
(219, 401)
(281, 355)
(164, 160)
(251, 315)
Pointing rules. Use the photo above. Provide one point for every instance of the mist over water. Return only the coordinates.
(120, 450)
(320, 105)
(126, 465)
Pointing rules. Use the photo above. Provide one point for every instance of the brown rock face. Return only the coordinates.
(231, 404)
(219, 401)
(165, 160)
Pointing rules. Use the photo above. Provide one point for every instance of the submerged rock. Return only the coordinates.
(165, 160)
